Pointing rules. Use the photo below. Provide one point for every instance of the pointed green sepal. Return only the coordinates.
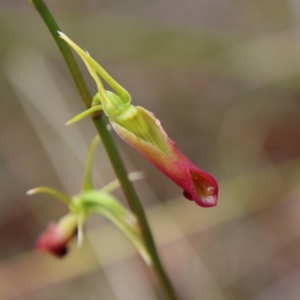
(54, 193)
(109, 102)
(84, 114)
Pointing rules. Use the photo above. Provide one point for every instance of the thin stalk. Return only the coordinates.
(113, 154)
(87, 180)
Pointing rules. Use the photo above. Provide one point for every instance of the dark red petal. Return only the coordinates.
(59, 252)
(187, 195)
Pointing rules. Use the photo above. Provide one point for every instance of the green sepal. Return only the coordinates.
(52, 192)
(94, 68)
(144, 125)
(104, 204)
(86, 113)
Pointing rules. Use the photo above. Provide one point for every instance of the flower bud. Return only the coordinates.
(56, 237)
(145, 133)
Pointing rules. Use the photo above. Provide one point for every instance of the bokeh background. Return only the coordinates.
(223, 77)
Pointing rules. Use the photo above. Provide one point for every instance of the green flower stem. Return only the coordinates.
(114, 156)
(87, 180)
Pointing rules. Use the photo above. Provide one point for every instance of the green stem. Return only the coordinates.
(113, 154)
(87, 180)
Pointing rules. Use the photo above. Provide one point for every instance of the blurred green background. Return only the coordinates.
(223, 77)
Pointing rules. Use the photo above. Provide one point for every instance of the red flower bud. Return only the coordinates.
(152, 141)
(57, 236)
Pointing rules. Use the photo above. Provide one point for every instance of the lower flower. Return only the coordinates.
(56, 237)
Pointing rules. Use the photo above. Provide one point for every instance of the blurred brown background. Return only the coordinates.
(223, 77)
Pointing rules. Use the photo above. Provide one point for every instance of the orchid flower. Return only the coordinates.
(57, 236)
(139, 128)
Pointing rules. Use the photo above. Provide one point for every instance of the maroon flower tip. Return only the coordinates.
(159, 149)
(188, 196)
(204, 189)
(57, 236)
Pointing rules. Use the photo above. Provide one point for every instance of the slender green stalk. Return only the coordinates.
(113, 154)
(87, 180)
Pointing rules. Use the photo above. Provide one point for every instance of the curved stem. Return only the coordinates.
(114, 156)
(87, 180)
